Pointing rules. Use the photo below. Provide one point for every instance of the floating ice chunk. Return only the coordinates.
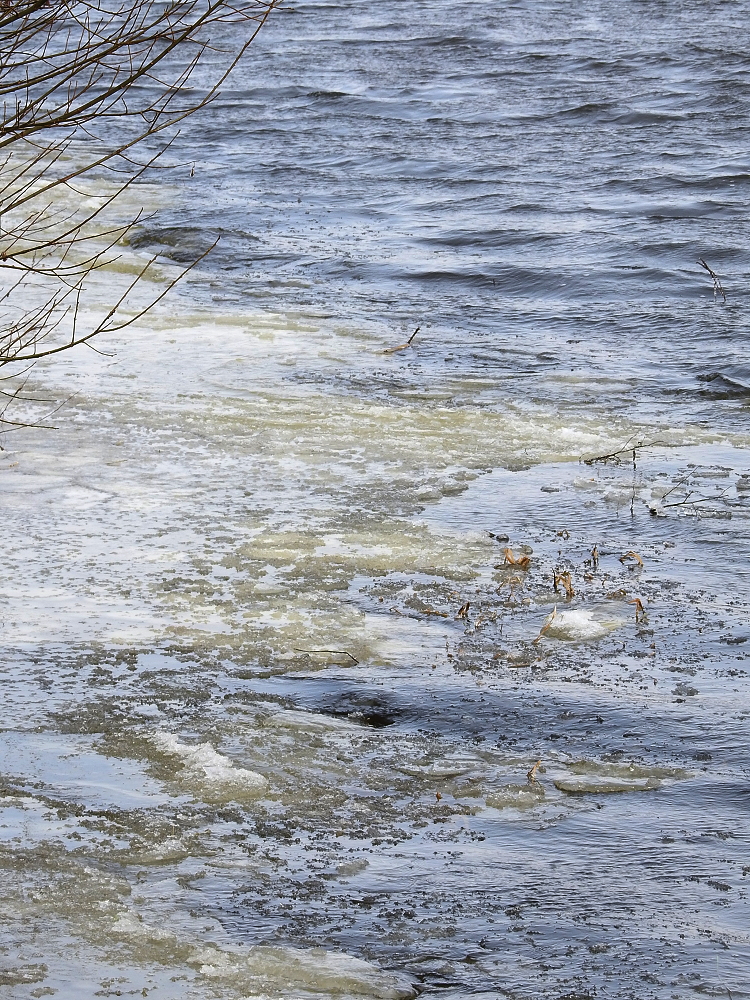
(310, 721)
(579, 625)
(314, 970)
(515, 796)
(448, 767)
(260, 969)
(166, 852)
(591, 778)
(605, 786)
(130, 927)
(210, 775)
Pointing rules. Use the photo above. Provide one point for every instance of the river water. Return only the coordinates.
(255, 743)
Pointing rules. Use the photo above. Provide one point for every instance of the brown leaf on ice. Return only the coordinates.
(337, 652)
(564, 579)
(463, 611)
(631, 555)
(521, 561)
(531, 775)
(639, 609)
(547, 625)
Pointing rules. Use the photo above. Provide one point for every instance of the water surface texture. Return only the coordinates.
(333, 672)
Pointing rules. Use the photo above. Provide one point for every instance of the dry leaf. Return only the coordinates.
(631, 555)
(522, 561)
(547, 625)
(531, 775)
(639, 609)
(564, 579)
(463, 611)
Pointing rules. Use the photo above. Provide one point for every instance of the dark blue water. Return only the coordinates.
(530, 183)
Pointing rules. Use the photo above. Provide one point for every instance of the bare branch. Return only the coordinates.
(717, 283)
(83, 85)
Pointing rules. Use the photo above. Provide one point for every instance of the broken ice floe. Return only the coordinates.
(208, 774)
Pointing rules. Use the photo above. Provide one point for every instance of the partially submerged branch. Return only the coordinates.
(83, 85)
(630, 447)
(691, 496)
(402, 347)
(718, 289)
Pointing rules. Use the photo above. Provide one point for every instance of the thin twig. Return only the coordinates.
(629, 446)
(402, 347)
(716, 280)
(338, 652)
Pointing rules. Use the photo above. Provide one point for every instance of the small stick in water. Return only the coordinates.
(402, 347)
(337, 652)
(716, 280)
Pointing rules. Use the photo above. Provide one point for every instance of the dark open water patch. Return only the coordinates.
(612, 139)
(718, 386)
